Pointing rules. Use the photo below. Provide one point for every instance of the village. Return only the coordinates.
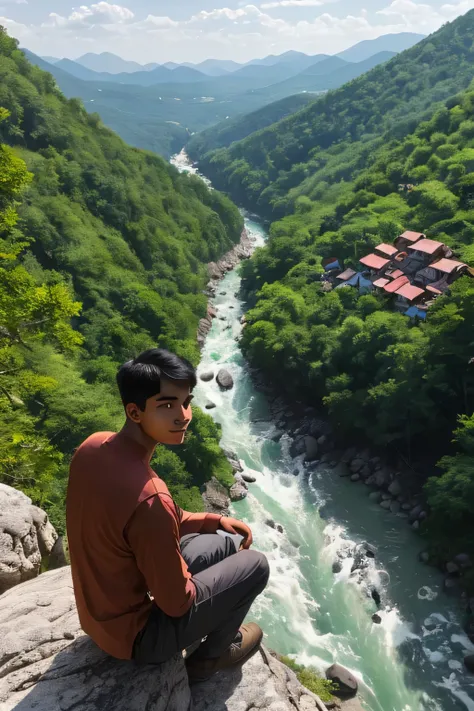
(413, 271)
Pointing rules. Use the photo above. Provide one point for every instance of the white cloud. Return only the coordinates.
(16, 29)
(422, 17)
(295, 3)
(85, 16)
(241, 33)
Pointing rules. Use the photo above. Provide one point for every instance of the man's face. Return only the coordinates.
(167, 415)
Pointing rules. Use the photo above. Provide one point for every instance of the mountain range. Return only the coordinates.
(109, 63)
(159, 107)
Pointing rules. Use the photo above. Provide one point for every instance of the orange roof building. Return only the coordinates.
(410, 292)
(373, 261)
(380, 283)
(412, 237)
(426, 246)
(387, 250)
(396, 284)
(348, 274)
(447, 266)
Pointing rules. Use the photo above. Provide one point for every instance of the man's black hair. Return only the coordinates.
(140, 378)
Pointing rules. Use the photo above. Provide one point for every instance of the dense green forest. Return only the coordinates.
(103, 253)
(331, 139)
(226, 132)
(403, 386)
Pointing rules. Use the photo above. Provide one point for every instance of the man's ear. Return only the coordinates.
(133, 412)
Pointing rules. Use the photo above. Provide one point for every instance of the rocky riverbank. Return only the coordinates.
(216, 271)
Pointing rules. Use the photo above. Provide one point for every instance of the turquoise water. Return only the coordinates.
(413, 660)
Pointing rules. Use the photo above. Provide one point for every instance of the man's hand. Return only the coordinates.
(232, 525)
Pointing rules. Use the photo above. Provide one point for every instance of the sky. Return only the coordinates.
(194, 30)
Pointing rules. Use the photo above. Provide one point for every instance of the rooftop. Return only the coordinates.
(428, 246)
(410, 292)
(412, 236)
(447, 265)
(387, 249)
(348, 274)
(395, 274)
(394, 285)
(381, 282)
(374, 262)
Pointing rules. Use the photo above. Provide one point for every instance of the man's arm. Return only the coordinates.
(197, 522)
(153, 535)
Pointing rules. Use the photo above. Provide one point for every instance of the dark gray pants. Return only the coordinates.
(227, 582)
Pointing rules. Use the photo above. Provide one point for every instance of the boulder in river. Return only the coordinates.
(311, 448)
(342, 469)
(375, 496)
(270, 523)
(237, 491)
(224, 379)
(376, 619)
(336, 566)
(395, 507)
(207, 376)
(346, 682)
(355, 477)
(210, 405)
(395, 488)
(356, 465)
(249, 479)
(469, 662)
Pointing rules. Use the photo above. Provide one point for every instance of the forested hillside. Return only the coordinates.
(103, 253)
(337, 131)
(404, 386)
(226, 132)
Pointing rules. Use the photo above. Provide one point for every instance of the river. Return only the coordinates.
(413, 660)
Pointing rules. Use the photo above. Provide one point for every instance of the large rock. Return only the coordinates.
(311, 448)
(262, 683)
(238, 491)
(48, 664)
(26, 536)
(216, 498)
(207, 376)
(224, 379)
(346, 682)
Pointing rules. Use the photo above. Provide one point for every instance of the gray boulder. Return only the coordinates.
(382, 478)
(355, 477)
(385, 504)
(469, 662)
(463, 560)
(249, 479)
(207, 376)
(346, 682)
(215, 497)
(452, 567)
(210, 405)
(311, 448)
(48, 664)
(375, 496)
(342, 470)
(376, 619)
(395, 507)
(26, 536)
(414, 513)
(237, 491)
(356, 465)
(224, 379)
(395, 488)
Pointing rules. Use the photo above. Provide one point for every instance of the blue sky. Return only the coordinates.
(193, 30)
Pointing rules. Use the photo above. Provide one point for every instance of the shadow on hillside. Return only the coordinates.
(82, 677)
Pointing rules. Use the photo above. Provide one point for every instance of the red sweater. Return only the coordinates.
(123, 532)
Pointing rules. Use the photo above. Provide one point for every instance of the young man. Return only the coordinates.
(149, 578)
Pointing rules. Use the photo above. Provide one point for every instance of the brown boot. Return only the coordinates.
(244, 646)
